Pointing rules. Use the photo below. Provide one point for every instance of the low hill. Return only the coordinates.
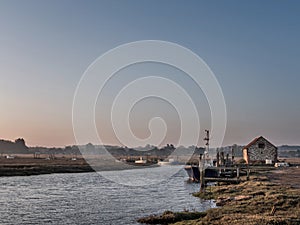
(16, 147)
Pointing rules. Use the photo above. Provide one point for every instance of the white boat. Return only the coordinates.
(163, 163)
(281, 164)
(140, 161)
(167, 162)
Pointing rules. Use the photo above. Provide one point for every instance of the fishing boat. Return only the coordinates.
(205, 163)
(193, 172)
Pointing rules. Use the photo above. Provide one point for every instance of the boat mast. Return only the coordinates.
(207, 141)
(202, 163)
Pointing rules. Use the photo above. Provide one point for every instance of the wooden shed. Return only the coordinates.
(260, 149)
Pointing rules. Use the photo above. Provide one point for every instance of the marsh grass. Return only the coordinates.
(254, 202)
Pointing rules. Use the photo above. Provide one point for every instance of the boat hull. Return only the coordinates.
(194, 172)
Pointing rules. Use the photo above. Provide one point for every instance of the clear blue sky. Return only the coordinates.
(251, 46)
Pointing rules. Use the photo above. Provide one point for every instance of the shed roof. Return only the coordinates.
(255, 140)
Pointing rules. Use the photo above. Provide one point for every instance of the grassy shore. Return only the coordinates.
(29, 166)
(261, 200)
(25, 165)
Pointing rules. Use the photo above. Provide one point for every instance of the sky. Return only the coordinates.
(252, 47)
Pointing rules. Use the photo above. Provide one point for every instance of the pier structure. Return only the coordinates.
(223, 171)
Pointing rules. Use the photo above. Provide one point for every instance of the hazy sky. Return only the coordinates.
(251, 46)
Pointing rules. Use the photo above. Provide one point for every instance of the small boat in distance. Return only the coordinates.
(168, 162)
(10, 157)
(140, 161)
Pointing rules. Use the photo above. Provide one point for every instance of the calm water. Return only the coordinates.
(87, 198)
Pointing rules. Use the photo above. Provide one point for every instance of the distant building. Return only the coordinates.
(260, 149)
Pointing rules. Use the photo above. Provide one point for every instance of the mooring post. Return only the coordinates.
(248, 173)
(201, 172)
(202, 180)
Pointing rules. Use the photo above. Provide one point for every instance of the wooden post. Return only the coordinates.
(201, 170)
(202, 181)
(273, 210)
(227, 159)
(248, 173)
(222, 159)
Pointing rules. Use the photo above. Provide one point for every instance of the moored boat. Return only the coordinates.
(168, 162)
(193, 172)
(140, 161)
(205, 163)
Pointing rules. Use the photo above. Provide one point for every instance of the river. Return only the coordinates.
(87, 198)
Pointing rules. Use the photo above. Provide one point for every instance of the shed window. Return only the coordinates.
(261, 145)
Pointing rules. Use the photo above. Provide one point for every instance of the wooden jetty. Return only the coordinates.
(221, 170)
(233, 175)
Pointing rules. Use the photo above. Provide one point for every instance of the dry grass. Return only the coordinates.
(255, 202)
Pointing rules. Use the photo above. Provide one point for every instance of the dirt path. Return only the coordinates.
(286, 176)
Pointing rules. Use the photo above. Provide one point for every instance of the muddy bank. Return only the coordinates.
(31, 166)
(258, 201)
(27, 166)
(289, 176)
(171, 217)
(41, 169)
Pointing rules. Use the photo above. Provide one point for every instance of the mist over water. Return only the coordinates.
(87, 198)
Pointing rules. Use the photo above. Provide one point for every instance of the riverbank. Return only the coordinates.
(30, 166)
(25, 166)
(267, 198)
